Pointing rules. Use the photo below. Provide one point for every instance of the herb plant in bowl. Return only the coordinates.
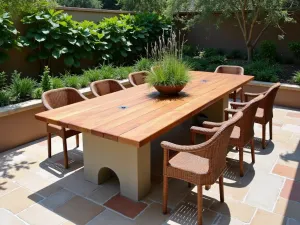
(170, 73)
(170, 76)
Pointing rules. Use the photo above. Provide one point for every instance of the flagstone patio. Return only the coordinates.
(35, 190)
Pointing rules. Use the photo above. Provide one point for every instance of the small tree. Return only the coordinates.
(248, 14)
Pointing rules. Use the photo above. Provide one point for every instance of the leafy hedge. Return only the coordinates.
(8, 36)
(53, 34)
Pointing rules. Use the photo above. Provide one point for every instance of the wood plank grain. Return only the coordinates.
(154, 128)
(124, 124)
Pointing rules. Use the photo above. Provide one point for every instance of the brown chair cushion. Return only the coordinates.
(190, 162)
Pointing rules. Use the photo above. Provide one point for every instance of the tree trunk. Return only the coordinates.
(250, 53)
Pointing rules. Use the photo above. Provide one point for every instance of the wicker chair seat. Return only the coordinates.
(190, 162)
(235, 135)
(259, 116)
(58, 130)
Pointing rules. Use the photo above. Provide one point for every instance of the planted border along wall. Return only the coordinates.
(18, 60)
(229, 36)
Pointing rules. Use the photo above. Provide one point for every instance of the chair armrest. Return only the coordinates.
(236, 105)
(204, 131)
(252, 95)
(208, 124)
(184, 148)
(230, 111)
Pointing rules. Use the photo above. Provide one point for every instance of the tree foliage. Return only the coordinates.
(81, 3)
(17, 7)
(249, 14)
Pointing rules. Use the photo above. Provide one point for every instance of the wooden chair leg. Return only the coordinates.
(199, 202)
(252, 151)
(77, 140)
(271, 129)
(165, 195)
(264, 136)
(234, 96)
(241, 158)
(242, 95)
(65, 151)
(189, 185)
(221, 188)
(49, 145)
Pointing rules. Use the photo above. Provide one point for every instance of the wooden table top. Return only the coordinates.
(138, 115)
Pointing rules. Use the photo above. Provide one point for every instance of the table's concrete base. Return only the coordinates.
(133, 165)
(130, 164)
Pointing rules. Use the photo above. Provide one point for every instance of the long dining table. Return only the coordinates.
(118, 128)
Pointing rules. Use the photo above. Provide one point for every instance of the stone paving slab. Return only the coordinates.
(35, 190)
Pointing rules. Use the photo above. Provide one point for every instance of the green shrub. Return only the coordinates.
(190, 50)
(57, 83)
(107, 72)
(267, 50)
(4, 98)
(296, 77)
(3, 80)
(72, 81)
(169, 72)
(212, 67)
(37, 93)
(122, 72)
(21, 88)
(84, 81)
(92, 74)
(209, 52)
(46, 81)
(143, 64)
(52, 34)
(197, 64)
(295, 49)
(217, 59)
(236, 54)
(263, 71)
(8, 37)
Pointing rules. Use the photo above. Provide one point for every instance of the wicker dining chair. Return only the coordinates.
(137, 78)
(104, 87)
(264, 114)
(54, 99)
(200, 164)
(243, 132)
(233, 70)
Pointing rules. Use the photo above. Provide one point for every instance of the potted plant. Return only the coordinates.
(170, 73)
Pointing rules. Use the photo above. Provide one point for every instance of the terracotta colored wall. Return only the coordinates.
(20, 128)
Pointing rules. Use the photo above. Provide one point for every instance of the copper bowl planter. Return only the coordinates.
(169, 90)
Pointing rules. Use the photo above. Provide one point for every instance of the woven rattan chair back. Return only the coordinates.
(61, 97)
(246, 124)
(230, 69)
(137, 78)
(104, 87)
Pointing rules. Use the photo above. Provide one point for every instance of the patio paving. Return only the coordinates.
(35, 190)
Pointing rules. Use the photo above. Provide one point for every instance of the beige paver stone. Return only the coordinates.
(105, 192)
(235, 209)
(18, 200)
(109, 217)
(6, 186)
(39, 215)
(57, 199)
(263, 217)
(151, 215)
(79, 210)
(225, 220)
(288, 208)
(8, 218)
(264, 190)
(36, 183)
(177, 191)
(77, 184)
